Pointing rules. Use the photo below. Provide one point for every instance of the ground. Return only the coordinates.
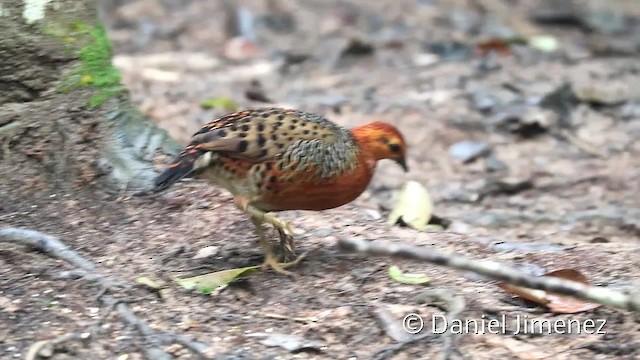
(558, 189)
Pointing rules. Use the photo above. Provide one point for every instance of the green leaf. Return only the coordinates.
(207, 283)
(223, 103)
(414, 207)
(544, 43)
(406, 278)
(148, 282)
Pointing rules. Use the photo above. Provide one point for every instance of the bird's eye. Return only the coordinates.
(394, 148)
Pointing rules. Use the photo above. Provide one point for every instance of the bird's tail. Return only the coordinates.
(182, 166)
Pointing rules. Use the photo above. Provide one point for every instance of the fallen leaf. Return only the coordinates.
(291, 343)
(414, 206)
(148, 282)
(407, 278)
(544, 43)
(207, 283)
(561, 304)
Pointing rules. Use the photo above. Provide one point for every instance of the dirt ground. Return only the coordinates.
(558, 188)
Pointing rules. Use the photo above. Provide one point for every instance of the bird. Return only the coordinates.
(275, 159)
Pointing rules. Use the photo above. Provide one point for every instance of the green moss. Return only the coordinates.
(96, 69)
(223, 103)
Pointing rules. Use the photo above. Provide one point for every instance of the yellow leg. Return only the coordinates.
(270, 259)
(284, 228)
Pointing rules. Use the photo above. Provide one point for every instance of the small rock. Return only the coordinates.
(469, 150)
(630, 110)
(450, 50)
(525, 121)
(425, 59)
(493, 164)
(607, 92)
(240, 49)
(460, 227)
(372, 214)
(206, 252)
(483, 102)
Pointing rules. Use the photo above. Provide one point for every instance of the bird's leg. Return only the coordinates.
(270, 260)
(283, 227)
(287, 245)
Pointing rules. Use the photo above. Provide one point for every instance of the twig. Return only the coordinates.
(56, 249)
(495, 271)
(47, 244)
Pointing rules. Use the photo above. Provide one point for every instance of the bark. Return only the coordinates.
(65, 121)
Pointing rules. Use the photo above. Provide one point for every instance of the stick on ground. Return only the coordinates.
(56, 249)
(495, 271)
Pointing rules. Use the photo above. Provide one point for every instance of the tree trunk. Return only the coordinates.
(65, 120)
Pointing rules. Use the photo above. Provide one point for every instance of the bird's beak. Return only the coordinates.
(403, 163)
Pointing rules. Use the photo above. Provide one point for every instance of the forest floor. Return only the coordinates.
(556, 184)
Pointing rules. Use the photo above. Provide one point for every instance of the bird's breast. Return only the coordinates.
(313, 193)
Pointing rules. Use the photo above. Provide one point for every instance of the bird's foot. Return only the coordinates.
(271, 261)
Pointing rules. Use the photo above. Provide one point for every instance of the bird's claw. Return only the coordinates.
(271, 261)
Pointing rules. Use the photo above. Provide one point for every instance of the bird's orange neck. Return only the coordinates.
(367, 138)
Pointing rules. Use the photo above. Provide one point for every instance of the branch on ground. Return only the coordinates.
(54, 248)
(495, 271)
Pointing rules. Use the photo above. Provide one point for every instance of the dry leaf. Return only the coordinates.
(150, 283)
(561, 304)
(414, 207)
(207, 283)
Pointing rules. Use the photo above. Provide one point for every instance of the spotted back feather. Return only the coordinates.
(293, 141)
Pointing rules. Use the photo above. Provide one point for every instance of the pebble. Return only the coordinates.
(469, 150)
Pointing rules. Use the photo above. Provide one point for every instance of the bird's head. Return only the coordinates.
(382, 141)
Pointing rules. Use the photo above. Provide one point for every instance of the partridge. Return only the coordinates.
(276, 159)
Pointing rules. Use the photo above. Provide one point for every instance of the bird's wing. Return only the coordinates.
(276, 134)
